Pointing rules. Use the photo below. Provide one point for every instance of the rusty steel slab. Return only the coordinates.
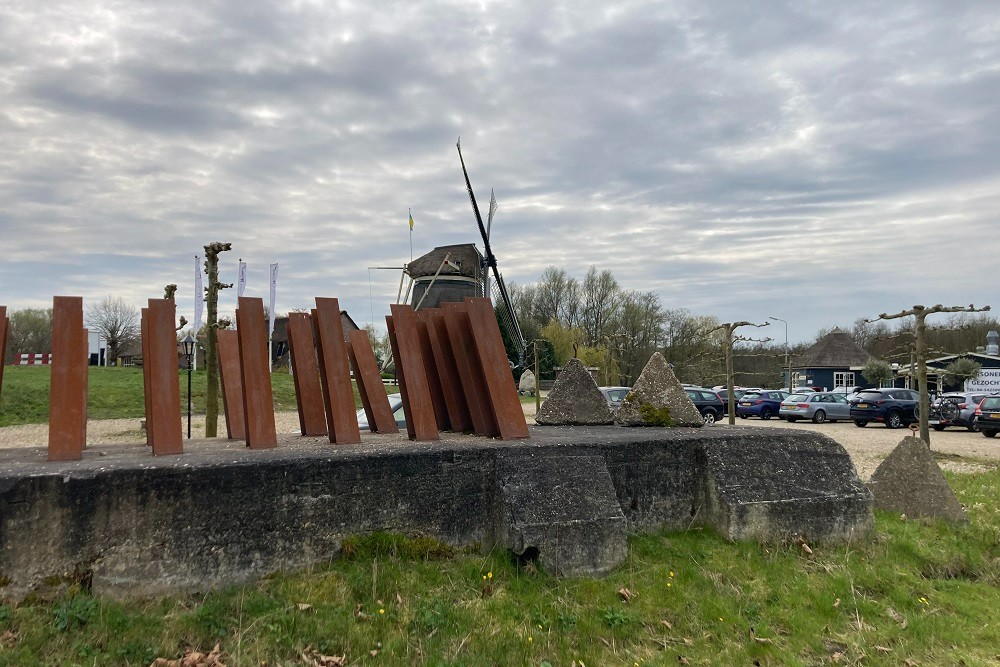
(255, 365)
(305, 375)
(335, 372)
(370, 387)
(421, 424)
(431, 372)
(451, 381)
(4, 327)
(231, 377)
(68, 384)
(166, 435)
(456, 319)
(146, 394)
(496, 369)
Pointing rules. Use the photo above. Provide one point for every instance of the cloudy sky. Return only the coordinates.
(814, 161)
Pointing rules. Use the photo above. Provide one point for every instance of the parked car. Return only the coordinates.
(955, 409)
(615, 395)
(709, 404)
(764, 404)
(851, 389)
(819, 406)
(893, 407)
(395, 404)
(724, 395)
(988, 416)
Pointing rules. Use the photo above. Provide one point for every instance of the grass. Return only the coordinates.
(115, 393)
(918, 593)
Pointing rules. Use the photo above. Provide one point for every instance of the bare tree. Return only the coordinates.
(212, 325)
(117, 322)
(727, 329)
(920, 314)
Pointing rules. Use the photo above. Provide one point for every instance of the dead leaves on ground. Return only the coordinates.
(194, 658)
(314, 658)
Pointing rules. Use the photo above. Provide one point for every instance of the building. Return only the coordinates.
(436, 281)
(988, 359)
(835, 360)
(279, 337)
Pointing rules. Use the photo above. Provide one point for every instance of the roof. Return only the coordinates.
(835, 350)
(465, 256)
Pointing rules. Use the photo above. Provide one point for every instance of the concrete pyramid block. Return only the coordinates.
(658, 388)
(910, 482)
(575, 400)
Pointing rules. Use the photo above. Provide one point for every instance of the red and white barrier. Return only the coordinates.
(35, 359)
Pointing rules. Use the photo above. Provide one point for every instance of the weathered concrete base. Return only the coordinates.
(220, 514)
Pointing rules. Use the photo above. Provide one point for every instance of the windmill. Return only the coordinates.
(506, 317)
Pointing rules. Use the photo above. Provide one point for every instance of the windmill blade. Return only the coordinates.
(493, 209)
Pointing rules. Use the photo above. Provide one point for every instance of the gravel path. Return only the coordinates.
(957, 449)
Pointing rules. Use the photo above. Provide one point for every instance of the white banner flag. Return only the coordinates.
(242, 281)
(199, 295)
(274, 289)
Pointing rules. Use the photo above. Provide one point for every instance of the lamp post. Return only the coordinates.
(188, 343)
(788, 357)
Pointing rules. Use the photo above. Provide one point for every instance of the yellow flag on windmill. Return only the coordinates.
(411, 221)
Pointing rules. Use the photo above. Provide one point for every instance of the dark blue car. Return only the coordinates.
(764, 404)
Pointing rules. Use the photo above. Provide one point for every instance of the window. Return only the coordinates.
(845, 379)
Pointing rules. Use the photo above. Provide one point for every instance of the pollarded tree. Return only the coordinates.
(117, 322)
(962, 370)
(30, 331)
(877, 372)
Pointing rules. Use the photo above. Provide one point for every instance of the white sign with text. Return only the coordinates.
(988, 381)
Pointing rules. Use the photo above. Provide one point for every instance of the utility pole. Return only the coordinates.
(920, 314)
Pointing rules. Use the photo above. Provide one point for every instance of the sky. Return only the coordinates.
(813, 161)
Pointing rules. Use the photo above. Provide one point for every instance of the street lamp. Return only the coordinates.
(788, 357)
(188, 344)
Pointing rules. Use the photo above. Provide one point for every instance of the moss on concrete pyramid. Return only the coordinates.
(658, 388)
(910, 482)
(575, 400)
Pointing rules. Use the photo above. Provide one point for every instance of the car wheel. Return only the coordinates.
(709, 417)
(792, 420)
(819, 417)
(893, 420)
(765, 414)
(861, 423)
(938, 427)
(989, 432)
(743, 416)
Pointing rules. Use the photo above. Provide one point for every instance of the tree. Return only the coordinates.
(877, 372)
(920, 314)
(380, 344)
(727, 329)
(962, 370)
(212, 251)
(117, 322)
(30, 331)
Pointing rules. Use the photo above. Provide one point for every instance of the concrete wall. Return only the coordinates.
(222, 514)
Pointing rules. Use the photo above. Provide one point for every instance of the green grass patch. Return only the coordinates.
(115, 393)
(918, 591)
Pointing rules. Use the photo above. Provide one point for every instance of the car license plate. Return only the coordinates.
(933, 421)
(861, 405)
(995, 415)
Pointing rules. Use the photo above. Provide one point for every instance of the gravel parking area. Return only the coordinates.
(958, 450)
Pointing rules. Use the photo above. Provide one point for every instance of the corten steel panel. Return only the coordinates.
(420, 421)
(305, 375)
(85, 378)
(258, 401)
(231, 376)
(431, 372)
(4, 326)
(456, 319)
(335, 372)
(321, 366)
(166, 435)
(496, 369)
(370, 387)
(68, 388)
(144, 336)
(451, 381)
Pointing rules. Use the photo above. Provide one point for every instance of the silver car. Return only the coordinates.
(819, 406)
(615, 395)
